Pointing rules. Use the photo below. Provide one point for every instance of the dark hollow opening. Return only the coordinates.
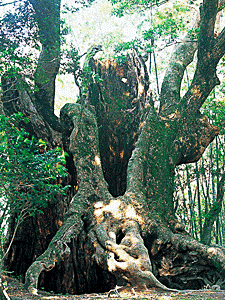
(119, 237)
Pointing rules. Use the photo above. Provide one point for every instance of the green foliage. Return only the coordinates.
(214, 106)
(122, 49)
(83, 76)
(130, 6)
(76, 6)
(157, 27)
(18, 34)
(166, 25)
(30, 173)
(27, 168)
(71, 64)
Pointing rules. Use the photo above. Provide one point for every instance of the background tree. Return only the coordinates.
(120, 226)
(200, 186)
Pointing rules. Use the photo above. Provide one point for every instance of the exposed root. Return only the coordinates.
(128, 258)
(84, 147)
(186, 263)
(212, 255)
(114, 291)
(55, 252)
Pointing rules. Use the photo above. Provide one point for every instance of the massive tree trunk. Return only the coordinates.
(121, 227)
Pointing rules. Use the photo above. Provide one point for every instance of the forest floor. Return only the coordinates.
(16, 291)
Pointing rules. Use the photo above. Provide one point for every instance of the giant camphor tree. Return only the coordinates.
(118, 223)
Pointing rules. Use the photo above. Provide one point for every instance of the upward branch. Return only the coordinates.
(219, 47)
(210, 51)
(47, 15)
(4, 4)
(180, 59)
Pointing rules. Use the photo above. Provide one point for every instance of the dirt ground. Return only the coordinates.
(16, 291)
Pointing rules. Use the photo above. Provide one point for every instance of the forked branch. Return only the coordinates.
(210, 51)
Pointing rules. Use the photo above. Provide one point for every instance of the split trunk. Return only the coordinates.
(120, 227)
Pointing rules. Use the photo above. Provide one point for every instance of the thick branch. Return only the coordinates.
(210, 51)
(14, 99)
(180, 59)
(205, 78)
(208, 12)
(47, 14)
(219, 47)
(4, 4)
(194, 136)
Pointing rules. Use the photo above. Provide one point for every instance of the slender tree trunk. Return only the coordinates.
(213, 213)
(199, 201)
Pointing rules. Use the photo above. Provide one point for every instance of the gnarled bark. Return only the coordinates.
(47, 15)
(121, 226)
(114, 225)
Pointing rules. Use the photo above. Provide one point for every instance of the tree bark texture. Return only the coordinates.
(130, 219)
(120, 227)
